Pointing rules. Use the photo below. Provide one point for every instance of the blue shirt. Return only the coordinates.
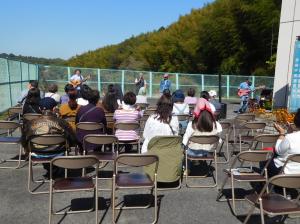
(245, 85)
(164, 84)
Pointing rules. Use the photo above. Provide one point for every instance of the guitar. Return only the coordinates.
(77, 83)
(244, 92)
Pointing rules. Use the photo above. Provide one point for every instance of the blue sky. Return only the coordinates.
(64, 28)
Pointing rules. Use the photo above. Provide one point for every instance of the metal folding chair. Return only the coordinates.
(39, 145)
(212, 157)
(275, 204)
(130, 181)
(182, 117)
(8, 127)
(74, 184)
(30, 116)
(235, 174)
(226, 130)
(15, 112)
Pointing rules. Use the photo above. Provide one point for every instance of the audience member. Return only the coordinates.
(32, 102)
(24, 93)
(190, 98)
(214, 101)
(68, 88)
(84, 92)
(161, 122)
(205, 95)
(52, 92)
(90, 113)
(179, 107)
(109, 102)
(69, 109)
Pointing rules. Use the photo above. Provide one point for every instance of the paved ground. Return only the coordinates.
(186, 205)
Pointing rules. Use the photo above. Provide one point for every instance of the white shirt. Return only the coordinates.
(212, 107)
(290, 145)
(54, 96)
(76, 77)
(154, 127)
(190, 132)
(180, 108)
(82, 102)
(141, 99)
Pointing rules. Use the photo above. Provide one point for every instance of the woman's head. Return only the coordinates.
(52, 88)
(68, 88)
(77, 71)
(33, 96)
(129, 98)
(93, 97)
(205, 95)
(191, 92)
(110, 102)
(167, 93)
(85, 90)
(72, 100)
(164, 109)
(204, 119)
(178, 96)
(297, 119)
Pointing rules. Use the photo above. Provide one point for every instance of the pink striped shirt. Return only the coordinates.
(130, 115)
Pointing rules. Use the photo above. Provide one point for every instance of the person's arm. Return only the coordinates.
(282, 146)
(147, 130)
(186, 109)
(188, 133)
(219, 127)
(176, 125)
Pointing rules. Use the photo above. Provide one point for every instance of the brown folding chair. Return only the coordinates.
(110, 121)
(103, 157)
(239, 121)
(143, 121)
(129, 126)
(150, 110)
(39, 145)
(143, 106)
(182, 117)
(212, 157)
(275, 204)
(74, 184)
(263, 139)
(226, 130)
(8, 127)
(31, 116)
(15, 112)
(192, 107)
(129, 181)
(235, 173)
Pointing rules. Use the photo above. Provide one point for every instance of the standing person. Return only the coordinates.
(245, 89)
(161, 123)
(165, 84)
(140, 83)
(52, 92)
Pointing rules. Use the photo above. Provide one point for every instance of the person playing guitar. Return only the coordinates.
(77, 79)
(244, 90)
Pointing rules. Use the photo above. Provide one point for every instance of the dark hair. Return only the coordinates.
(34, 83)
(72, 100)
(33, 96)
(191, 92)
(178, 96)
(85, 89)
(52, 88)
(164, 109)
(77, 70)
(297, 119)
(167, 93)
(205, 122)
(109, 101)
(205, 95)
(93, 96)
(69, 87)
(129, 98)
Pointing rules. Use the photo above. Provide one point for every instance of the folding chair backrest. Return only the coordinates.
(127, 126)
(245, 117)
(183, 117)
(294, 128)
(286, 180)
(150, 111)
(90, 126)
(143, 106)
(255, 156)
(109, 117)
(31, 116)
(70, 118)
(225, 125)
(255, 125)
(15, 110)
(75, 162)
(48, 140)
(100, 139)
(266, 138)
(192, 106)
(205, 139)
(9, 125)
(136, 160)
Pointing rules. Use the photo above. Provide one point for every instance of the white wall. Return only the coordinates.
(289, 30)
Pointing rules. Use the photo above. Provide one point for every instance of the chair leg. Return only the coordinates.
(155, 198)
(216, 169)
(233, 195)
(113, 199)
(18, 161)
(96, 203)
(261, 212)
(50, 202)
(249, 214)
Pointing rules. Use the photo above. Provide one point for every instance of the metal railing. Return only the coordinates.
(14, 76)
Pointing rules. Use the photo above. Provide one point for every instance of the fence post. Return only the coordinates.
(123, 79)
(227, 86)
(8, 73)
(202, 82)
(177, 81)
(150, 84)
(37, 77)
(21, 78)
(253, 84)
(99, 79)
(69, 73)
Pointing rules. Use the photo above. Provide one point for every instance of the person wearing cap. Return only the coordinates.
(179, 107)
(205, 95)
(165, 83)
(204, 123)
(213, 100)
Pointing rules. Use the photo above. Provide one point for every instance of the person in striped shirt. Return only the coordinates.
(128, 113)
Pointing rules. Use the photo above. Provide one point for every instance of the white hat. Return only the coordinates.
(212, 93)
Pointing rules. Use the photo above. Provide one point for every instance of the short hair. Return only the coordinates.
(205, 95)
(93, 96)
(129, 98)
(297, 119)
(52, 88)
(33, 96)
(77, 70)
(191, 92)
(85, 89)
(69, 87)
(34, 83)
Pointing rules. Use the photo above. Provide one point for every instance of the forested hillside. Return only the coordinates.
(227, 36)
(33, 60)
